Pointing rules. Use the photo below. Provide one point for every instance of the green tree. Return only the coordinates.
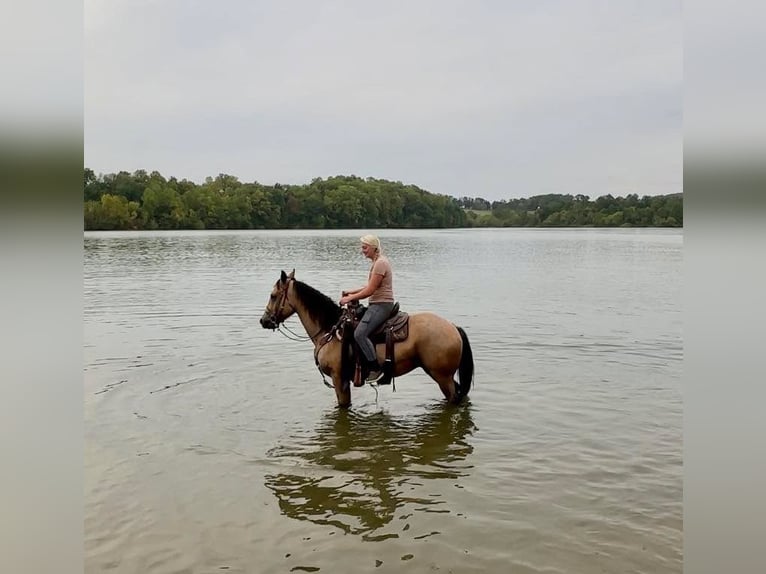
(92, 186)
(161, 207)
(110, 212)
(343, 201)
(342, 207)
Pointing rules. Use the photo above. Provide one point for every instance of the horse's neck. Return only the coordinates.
(312, 327)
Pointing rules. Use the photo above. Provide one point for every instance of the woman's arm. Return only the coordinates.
(374, 282)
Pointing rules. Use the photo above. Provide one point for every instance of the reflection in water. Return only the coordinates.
(363, 467)
(596, 343)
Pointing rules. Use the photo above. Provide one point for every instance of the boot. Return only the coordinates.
(375, 371)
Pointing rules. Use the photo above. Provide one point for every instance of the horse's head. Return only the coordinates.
(279, 307)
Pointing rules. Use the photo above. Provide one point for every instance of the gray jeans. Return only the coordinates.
(374, 317)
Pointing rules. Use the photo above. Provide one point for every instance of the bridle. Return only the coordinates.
(273, 317)
(280, 323)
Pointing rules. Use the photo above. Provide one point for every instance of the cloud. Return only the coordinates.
(497, 99)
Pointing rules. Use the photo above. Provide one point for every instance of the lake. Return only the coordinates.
(211, 444)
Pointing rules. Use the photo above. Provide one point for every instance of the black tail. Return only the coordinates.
(465, 370)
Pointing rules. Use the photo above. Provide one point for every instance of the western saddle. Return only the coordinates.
(394, 329)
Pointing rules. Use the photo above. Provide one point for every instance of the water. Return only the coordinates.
(213, 446)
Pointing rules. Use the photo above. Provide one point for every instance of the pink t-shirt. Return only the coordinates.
(385, 292)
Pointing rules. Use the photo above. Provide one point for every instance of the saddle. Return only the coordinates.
(397, 324)
(394, 329)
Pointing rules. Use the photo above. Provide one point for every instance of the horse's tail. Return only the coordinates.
(465, 370)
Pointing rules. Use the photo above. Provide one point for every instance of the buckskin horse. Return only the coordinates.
(434, 344)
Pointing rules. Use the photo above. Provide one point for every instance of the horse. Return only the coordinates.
(434, 344)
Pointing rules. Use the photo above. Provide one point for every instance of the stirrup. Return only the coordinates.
(384, 379)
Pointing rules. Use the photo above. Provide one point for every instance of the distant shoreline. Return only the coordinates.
(143, 201)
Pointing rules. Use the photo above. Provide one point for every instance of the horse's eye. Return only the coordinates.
(273, 297)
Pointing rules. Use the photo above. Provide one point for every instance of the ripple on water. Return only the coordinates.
(212, 445)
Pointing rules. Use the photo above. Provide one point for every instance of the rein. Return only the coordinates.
(293, 336)
(290, 335)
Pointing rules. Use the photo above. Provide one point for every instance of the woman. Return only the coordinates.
(380, 290)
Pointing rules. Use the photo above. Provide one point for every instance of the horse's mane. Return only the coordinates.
(320, 307)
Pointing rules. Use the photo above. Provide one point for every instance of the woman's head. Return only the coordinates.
(370, 245)
(370, 240)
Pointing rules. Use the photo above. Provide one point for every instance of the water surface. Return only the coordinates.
(213, 446)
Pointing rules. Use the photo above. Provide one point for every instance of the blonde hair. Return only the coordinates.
(371, 240)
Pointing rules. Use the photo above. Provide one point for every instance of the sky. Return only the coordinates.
(494, 99)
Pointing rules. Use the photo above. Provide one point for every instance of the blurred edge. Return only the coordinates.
(724, 287)
(41, 162)
(715, 186)
(41, 173)
(41, 340)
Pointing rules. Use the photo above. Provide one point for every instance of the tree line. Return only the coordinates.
(142, 200)
(558, 210)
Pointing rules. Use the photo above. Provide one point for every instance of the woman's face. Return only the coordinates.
(368, 250)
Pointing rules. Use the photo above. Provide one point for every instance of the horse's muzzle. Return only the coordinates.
(268, 322)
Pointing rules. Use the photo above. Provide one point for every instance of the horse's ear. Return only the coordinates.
(292, 274)
(283, 277)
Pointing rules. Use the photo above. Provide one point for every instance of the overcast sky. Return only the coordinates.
(493, 99)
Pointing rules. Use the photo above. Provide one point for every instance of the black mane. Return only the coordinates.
(320, 307)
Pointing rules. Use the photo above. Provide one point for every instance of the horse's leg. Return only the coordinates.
(442, 373)
(342, 392)
(438, 353)
(446, 385)
(330, 364)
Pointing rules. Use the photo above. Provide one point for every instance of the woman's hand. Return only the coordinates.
(345, 299)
